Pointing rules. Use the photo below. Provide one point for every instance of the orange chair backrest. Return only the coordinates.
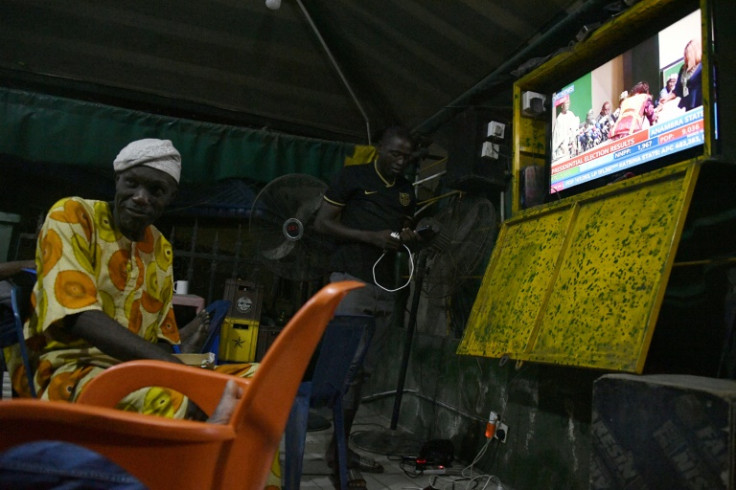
(272, 391)
(165, 453)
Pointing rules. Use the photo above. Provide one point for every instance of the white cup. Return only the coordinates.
(181, 287)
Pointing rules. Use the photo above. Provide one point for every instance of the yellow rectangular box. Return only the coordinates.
(238, 339)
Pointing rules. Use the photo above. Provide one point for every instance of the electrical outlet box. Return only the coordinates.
(532, 103)
(496, 130)
(490, 150)
(502, 431)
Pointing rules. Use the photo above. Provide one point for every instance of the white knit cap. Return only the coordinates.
(150, 152)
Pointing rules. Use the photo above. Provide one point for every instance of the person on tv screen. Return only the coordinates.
(590, 133)
(564, 135)
(605, 120)
(637, 112)
(605, 111)
(669, 86)
(689, 86)
(621, 99)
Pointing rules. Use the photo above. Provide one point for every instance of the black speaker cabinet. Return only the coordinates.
(246, 298)
(463, 138)
(663, 432)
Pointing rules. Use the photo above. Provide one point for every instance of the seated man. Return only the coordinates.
(104, 288)
(105, 285)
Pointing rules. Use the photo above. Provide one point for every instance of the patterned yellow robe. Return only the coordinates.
(83, 263)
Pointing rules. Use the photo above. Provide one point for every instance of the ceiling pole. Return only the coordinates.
(500, 75)
(337, 68)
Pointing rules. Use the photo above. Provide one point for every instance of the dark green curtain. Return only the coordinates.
(55, 130)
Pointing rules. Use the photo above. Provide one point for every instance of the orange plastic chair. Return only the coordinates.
(165, 453)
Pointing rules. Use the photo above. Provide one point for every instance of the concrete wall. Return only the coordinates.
(547, 409)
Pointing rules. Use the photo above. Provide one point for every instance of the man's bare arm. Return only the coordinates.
(328, 222)
(113, 339)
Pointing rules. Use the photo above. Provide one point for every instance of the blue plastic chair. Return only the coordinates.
(217, 311)
(11, 325)
(341, 345)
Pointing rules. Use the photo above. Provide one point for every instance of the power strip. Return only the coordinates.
(439, 471)
(415, 467)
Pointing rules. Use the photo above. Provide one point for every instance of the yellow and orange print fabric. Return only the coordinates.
(84, 263)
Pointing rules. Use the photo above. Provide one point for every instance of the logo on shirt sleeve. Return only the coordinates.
(404, 198)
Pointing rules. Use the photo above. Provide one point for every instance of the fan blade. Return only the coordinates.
(468, 230)
(279, 252)
(281, 226)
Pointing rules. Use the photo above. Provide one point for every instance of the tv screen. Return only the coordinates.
(628, 115)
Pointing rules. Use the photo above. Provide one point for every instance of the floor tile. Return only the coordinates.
(316, 474)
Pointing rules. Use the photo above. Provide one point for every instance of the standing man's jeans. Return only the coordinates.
(374, 301)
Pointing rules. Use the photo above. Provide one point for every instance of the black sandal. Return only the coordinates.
(359, 462)
(355, 480)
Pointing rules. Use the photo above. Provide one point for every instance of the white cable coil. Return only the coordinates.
(397, 236)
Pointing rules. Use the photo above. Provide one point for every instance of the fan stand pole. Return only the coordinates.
(411, 327)
(392, 441)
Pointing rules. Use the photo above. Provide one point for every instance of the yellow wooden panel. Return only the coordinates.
(515, 285)
(609, 278)
(580, 283)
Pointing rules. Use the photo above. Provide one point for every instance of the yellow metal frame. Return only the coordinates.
(530, 145)
(580, 281)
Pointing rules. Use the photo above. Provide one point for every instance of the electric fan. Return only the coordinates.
(282, 227)
(466, 230)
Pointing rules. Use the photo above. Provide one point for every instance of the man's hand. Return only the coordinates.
(383, 239)
(409, 236)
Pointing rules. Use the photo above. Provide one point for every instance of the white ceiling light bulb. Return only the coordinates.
(273, 4)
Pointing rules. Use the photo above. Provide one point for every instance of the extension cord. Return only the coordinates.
(440, 471)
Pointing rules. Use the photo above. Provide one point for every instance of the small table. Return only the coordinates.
(188, 300)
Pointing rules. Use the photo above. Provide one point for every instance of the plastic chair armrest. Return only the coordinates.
(203, 386)
(89, 422)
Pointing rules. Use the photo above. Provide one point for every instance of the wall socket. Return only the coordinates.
(490, 150)
(502, 431)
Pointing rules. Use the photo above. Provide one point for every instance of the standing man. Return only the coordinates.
(368, 210)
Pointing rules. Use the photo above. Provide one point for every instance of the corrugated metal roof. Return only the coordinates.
(238, 61)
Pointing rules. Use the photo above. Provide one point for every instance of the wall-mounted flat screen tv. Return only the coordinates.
(640, 110)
